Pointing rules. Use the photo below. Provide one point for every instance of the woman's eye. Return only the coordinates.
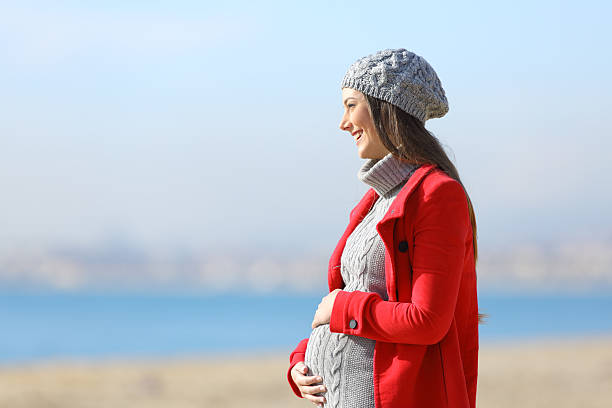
(350, 104)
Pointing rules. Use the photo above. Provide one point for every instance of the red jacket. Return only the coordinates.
(426, 350)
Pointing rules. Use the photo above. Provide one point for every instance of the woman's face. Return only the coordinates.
(358, 122)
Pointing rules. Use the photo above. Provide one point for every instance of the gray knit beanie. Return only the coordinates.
(401, 78)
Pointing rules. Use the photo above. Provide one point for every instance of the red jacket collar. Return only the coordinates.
(396, 210)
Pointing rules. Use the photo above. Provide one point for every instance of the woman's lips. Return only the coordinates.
(358, 137)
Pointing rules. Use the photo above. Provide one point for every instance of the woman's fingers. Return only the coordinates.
(299, 368)
(315, 399)
(309, 385)
(313, 389)
(303, 380)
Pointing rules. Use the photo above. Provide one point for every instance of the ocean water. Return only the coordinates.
(40, 326)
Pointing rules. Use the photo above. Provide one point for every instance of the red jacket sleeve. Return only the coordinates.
(440, 230)
(296, 356)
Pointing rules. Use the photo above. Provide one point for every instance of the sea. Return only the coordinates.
(39, 326)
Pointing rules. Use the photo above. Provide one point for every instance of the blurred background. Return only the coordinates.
(174, 181)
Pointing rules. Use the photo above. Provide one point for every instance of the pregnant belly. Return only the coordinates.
(323, 346)
(323, 358)
(336, 355)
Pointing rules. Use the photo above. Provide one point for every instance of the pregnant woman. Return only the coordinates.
(399, 328)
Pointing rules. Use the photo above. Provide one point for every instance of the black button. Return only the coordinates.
(403, 246)
(353, 323)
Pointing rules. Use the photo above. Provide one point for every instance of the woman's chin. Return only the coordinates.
(365, 155)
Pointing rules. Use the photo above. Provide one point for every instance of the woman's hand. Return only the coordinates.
(323, 313)
(309, 385)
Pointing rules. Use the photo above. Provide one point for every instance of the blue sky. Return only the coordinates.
(190, 125)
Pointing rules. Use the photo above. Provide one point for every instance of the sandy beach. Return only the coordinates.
(565, 373)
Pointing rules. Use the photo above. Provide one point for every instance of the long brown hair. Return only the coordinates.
(406, 137)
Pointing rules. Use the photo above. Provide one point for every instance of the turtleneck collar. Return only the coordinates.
(386, 173)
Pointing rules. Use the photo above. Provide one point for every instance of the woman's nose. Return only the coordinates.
(344, 125)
